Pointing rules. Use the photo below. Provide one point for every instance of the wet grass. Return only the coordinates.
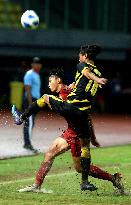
(19, 172)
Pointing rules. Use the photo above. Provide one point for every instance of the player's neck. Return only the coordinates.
(35, 70)
(59, 88)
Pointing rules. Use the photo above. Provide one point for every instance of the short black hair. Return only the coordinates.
(91, 50)
(36, 60)
(58, 72)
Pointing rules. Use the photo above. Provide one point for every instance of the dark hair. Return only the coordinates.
(36, 60)
(58, 72)
(91, 50)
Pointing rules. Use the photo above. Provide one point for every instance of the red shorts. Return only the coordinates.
(73, 141)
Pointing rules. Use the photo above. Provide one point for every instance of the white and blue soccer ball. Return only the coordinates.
(30, 19)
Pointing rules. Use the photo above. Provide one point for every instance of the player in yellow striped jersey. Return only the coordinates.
(87, 80)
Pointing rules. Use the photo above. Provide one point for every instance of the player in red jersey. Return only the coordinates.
(69, 140)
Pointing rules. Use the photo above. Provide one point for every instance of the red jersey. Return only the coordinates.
(64, 92)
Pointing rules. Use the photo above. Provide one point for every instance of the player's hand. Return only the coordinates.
(71, 86)
(95, 143)
(102, 81)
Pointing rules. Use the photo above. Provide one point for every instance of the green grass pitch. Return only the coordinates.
(63, 180)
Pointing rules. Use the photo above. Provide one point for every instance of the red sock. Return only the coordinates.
(99, 173)
(42, 172)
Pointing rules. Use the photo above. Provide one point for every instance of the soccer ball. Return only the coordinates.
(30, 19)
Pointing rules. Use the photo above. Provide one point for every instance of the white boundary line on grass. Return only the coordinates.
(28, 179)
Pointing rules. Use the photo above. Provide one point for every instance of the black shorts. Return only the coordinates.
(77, 118)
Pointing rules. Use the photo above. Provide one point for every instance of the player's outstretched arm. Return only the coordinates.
(87, 73)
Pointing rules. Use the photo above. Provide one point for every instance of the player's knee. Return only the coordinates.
(43, 100)
(85, 152)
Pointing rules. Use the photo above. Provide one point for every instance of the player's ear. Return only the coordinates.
(59, 80)
(86, 55)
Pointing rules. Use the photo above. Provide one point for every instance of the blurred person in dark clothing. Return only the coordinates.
(116, 93)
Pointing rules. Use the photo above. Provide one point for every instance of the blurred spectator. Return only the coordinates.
(32, 85)
(115, 93)
(116, 85)
(21, 71)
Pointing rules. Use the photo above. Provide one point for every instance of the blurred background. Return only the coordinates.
(65, 25)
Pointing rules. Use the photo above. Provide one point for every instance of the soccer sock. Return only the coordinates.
(42, 172)
(32, 109)
(96, 172)
(85, 163)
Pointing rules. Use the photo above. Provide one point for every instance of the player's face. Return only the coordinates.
(82, 58)
(54, 83)
(37, 67)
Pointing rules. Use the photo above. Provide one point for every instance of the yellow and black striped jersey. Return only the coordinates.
(85, 89)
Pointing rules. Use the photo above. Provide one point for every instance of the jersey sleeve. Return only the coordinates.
(81, 67)
(27, 79)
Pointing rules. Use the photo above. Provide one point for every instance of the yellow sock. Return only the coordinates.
(85, 152)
